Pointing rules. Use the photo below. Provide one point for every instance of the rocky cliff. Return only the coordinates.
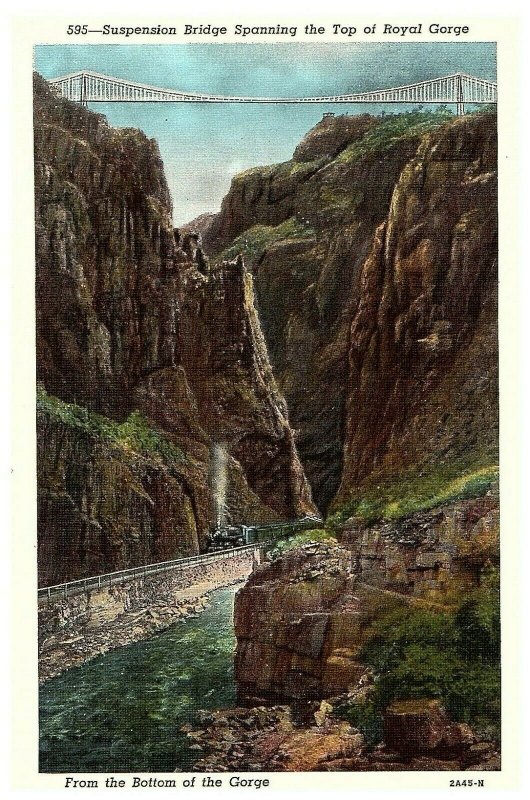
(423, 340)
(374, 256)
(298, 623)
(147, 353)
(302, 620)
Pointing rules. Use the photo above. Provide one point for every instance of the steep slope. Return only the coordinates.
(423, 346)
(226, 360)
(111, 495)
(134, 329)
(374, 257)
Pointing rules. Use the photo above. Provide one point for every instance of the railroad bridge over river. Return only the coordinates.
(458, 89)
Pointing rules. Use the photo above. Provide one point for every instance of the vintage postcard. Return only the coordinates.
(265, 498)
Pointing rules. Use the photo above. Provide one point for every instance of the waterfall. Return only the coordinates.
(218, 459)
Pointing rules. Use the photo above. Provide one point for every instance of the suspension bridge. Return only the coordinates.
(458, 89)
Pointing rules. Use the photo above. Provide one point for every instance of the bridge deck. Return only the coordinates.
(92, 87)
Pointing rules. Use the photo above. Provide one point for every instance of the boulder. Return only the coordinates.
(415, 726)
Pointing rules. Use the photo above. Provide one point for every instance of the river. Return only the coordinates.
(122, 712)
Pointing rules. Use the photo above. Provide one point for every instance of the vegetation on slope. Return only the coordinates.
(394, 128)
(416, 491)
(135, 434)
(291, 542)
(256, 240)
(452, 656)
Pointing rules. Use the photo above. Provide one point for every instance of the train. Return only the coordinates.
(229, 536)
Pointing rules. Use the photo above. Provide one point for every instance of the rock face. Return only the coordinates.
(299, 624)
(434, 554)
(374, 255)
(107, 310)
(423, 341)
(225, 356)
(131, 319)
(103, 507)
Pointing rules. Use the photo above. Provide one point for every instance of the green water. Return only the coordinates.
(122, 712)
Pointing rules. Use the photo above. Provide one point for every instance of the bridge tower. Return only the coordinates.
(84, 101)
(460, 107)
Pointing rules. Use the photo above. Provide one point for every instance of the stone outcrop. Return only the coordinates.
(130, 318)
(299, 623)
(199, 226)
(422, 726)
(435, 554)
(374, 254)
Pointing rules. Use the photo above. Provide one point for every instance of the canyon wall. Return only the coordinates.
(374, 253)
(145, 358)
(423, 388)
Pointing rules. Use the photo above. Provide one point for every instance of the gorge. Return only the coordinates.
(327, 343)
(143, 361)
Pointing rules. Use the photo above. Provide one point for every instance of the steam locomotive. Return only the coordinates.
(230, 536)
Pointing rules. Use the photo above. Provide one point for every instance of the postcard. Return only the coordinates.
(266, 526)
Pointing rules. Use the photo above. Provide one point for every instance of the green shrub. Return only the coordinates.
(453, 656)
(419, 671)
(287, 543)
(256, 240)
(474, 695)
(478, 622)
(366, 717)
(394, 631)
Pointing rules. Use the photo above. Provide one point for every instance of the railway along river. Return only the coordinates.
(122, 712)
